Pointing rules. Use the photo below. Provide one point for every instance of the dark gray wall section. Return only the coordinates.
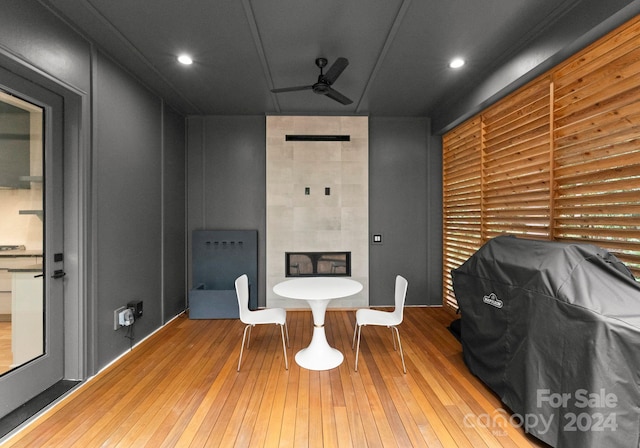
(398, 178)
(236, 172)
(129, 219)
(195, 181)
(227, 179)
(128, 169)
(434, 221)
(31, 32)
(173, 214)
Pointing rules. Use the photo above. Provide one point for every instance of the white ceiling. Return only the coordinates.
(398, 49)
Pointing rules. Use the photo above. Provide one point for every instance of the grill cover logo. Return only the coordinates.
(492, 300)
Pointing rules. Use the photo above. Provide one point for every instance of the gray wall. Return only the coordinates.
(129, 149)
(227, 179)
(226, 190)
(128, 185)
(401, 169)
(125, 180)
(139, 180)
(174, 219)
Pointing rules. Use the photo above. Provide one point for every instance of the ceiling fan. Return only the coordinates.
(323, 86)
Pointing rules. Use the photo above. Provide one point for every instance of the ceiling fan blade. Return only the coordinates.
(339, 97)
(335, 70)
(291, 89)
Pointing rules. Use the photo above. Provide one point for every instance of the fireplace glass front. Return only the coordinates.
(317, 264)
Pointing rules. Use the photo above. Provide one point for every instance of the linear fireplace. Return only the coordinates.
(300, 264)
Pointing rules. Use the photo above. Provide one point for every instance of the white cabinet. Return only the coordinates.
(5, 294)
(9, 260)
(27, 317)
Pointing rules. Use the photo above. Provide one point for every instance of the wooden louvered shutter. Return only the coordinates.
(558, 159)
(516, 165)
(597, 154)
(461, 200)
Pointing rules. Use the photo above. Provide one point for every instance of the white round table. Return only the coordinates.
(318, 292)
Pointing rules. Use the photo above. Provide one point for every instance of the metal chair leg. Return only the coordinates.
(284, 348)
(244, 334)
(358, 346)
(286, 329)
(400, 345)
(355, 329)
(393, 336)
(249, 337)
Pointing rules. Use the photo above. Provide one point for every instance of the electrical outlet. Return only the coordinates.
(116, 323)
(125, 318)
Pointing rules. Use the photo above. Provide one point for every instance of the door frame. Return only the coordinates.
(79, 303)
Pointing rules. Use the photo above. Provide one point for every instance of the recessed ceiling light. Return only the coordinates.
(456, 63)
(185, 59)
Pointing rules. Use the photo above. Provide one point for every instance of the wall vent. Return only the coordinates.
(317, 138)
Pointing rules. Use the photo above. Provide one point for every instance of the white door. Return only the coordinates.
(31, 240)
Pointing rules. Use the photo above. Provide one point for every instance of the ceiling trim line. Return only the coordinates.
(257, 41)
(385, 49)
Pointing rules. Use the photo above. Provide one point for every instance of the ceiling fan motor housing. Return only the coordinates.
(321, 62)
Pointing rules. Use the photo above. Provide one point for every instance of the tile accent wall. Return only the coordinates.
(315, 222)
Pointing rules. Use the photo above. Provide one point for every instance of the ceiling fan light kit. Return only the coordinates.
(325, 81)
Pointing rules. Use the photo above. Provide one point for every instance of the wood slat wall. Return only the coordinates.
(559, 159)
(597, 154)
(462, 201)
(516, 169)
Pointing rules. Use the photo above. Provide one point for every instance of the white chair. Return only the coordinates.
(276, 316)
(389, 319)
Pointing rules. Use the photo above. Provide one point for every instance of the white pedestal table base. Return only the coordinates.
(319, 355)
(318, 292)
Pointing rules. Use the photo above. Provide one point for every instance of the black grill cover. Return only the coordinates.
(554, 330)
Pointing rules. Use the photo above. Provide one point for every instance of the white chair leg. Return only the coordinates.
(284, 347)
(358, 346)
(244, 335)
(404, 368)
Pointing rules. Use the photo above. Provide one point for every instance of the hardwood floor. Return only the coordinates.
(180, 388)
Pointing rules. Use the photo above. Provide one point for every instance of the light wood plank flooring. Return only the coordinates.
(180, 388)
(6, 355)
